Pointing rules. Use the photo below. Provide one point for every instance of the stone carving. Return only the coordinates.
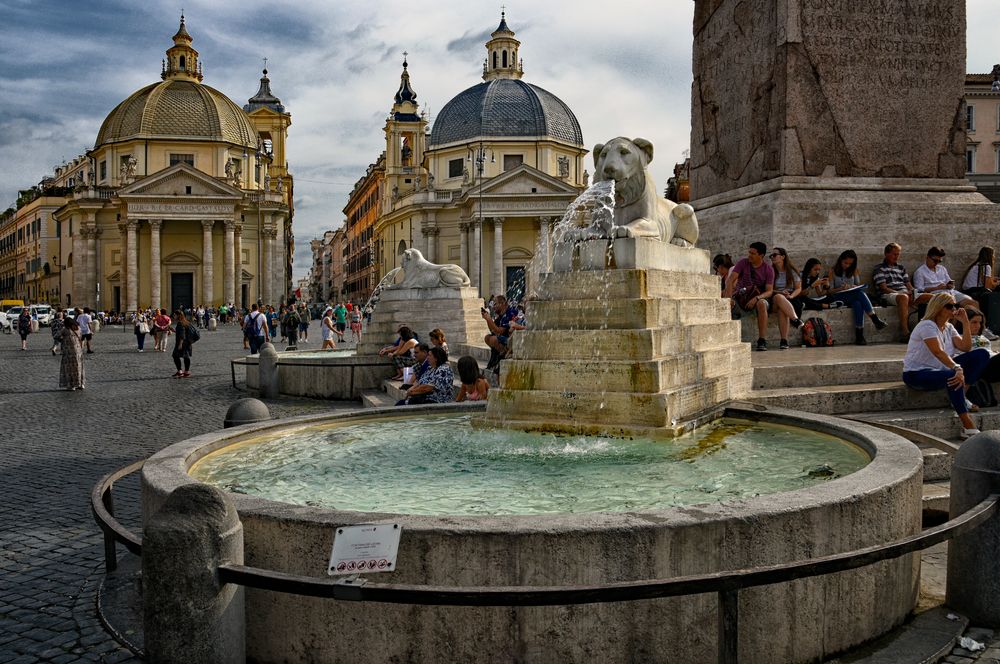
(418, 272)
(281, 185)
(234, 171)
(465, 175)
(639, 209)
(267, 182)
(563, 163)
(430, 181)
(586, 178)
(128, 169)
(417, 183)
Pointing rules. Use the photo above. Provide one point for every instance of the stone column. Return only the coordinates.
(79, 267)
(132, 303)
(155, 268)
(207, 272)
(265, 280)
(277, 271)
(238, 262)
(463, 247)
(228, 264)
(543, 244)
(430, 237)
(477, 255)
(496, 283)
(92, 268)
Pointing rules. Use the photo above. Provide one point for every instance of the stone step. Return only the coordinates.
(941, 422)
(858, 398)
(626, 284)
(622, 376)
(824, 371)
(614, 314)
(841, 321)
(376, 399)
(635, 345)
(937, 496)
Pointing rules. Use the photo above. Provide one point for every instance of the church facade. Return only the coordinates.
(484, 187)
(185, 199)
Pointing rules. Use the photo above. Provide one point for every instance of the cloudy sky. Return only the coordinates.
(623, 67)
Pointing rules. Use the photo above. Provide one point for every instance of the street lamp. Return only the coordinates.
(478, 157)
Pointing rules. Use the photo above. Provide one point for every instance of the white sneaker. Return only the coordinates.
(968, 433)
(990, 334)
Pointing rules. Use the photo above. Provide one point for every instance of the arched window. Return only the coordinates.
(182, 62)
(401, 248)
(505, 57)
(494, 59)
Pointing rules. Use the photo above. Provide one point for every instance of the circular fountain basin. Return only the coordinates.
(551, 528)
(330, 374)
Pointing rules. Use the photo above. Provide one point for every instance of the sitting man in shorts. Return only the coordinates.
(892, 284)
(932, 278)
(750, 284)
(500, 327)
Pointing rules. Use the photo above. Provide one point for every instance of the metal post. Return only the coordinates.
(729, 626)
(110, 553)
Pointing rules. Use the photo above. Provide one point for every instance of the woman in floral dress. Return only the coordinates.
(71, 367)
(437, 384)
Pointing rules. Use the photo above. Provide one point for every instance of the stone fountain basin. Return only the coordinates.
(800, 621)
(339, 374)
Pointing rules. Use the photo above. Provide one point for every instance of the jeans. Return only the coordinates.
(255, 343)
(858, 301)
(972, 364)
(140, 339)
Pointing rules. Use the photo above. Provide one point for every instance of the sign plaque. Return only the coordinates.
(364, 549)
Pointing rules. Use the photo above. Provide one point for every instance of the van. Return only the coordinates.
(7, 304)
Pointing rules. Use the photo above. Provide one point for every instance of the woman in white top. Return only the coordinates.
(787, 285)
(327, 330)
(979, 275)
(927, 365)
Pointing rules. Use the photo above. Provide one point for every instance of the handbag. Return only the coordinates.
(143, 327)
(744, 295)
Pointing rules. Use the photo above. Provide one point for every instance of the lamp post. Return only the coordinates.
(478, 157)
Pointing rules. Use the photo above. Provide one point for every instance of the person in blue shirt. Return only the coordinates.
(500, 324)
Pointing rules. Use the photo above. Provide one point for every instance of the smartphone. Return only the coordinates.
(484, 310)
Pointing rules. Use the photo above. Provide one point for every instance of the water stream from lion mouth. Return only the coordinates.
(441, 465)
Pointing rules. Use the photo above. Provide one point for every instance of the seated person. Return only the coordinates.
(751, 286)
(474, 386)
(843, 277)
(813, 295)
(787, 283)
(721, 265)
(420, 365)
(978, 282)
(977, 326)
(928, 366)
(500, 328)
(932, 278)
(437, 338)
(401, 352)
(893, 287)
(436, 385)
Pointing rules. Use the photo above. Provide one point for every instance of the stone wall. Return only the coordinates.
(870, 88)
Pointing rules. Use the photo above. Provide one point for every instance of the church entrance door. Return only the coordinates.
(515, 282)
(181, 290)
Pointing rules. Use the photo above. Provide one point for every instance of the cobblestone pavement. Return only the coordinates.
(56, 444)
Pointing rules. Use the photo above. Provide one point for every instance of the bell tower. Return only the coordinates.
(181, 62)
(501, 54)
(406, 141)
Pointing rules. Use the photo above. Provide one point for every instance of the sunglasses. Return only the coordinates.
(935, 259)
(951, 306)
(775, 255)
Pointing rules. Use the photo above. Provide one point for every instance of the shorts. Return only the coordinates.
(303, 327)
(87, 337)
(341, 327)
(753, 309)
(356, 326)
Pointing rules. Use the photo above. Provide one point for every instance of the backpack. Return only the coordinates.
(981, 393)
(193, 334)
(817, 332)
(292, 320)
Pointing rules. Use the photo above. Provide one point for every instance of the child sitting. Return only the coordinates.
(474, 386)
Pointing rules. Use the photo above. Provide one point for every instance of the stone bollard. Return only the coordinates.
(213, 324)
(34, 325)
(246, 411)
(186, 614)
(95, 325)
(267, 367)
(973, 575)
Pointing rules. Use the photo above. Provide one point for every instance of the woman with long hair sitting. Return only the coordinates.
(927, 364)
(844, 282)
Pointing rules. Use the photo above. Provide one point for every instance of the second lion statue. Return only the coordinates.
(639, 209)
(418, 272)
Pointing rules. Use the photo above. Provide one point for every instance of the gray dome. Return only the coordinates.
(505, 108)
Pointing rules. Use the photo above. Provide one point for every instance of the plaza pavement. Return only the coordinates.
(55, 445)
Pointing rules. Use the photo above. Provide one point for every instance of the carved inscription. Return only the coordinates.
(180, 208)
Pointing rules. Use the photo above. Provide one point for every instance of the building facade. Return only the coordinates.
(185, 199)
(364, 206)
(982, 128)
(484, 187)
(30, 264)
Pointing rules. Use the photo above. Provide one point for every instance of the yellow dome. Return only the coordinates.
(178, 109)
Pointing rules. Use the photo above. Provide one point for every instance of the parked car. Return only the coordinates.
(5, 324)
(43, 313)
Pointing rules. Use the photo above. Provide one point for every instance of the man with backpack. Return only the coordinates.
(255, 329)
(291, 323)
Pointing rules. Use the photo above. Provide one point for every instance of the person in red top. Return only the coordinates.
(750, 284)
(161, 328)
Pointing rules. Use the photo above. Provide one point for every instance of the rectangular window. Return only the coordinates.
(104, 171)
(512, 161)
(970, 160)
(997, 153)
(970, 118)
(455, 168)
(182, 159)
(58, 228)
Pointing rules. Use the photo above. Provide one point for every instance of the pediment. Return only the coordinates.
(245, 276)
(522, 180)
(182, 258)
(175, 180)
(115, 276)
(518, 252)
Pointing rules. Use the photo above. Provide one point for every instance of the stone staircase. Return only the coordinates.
(841, 322)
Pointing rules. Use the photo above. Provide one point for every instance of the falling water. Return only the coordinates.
(595, 207)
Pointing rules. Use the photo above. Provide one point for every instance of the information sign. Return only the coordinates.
(364, 549)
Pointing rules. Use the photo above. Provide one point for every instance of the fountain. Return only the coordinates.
(611, 452)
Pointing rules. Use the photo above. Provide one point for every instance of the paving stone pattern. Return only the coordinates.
(57, 444)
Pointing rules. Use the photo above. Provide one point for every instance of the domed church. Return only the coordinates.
(483, 187)
(184, 200)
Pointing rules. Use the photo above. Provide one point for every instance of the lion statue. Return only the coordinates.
(639, 210)
(418, 272)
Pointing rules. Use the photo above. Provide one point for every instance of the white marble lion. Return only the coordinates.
(640, 211)
(418, 272)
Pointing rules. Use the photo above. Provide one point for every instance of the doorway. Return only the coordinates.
(515, 283)
(244, 295)
(181, 290)
(116, 298)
